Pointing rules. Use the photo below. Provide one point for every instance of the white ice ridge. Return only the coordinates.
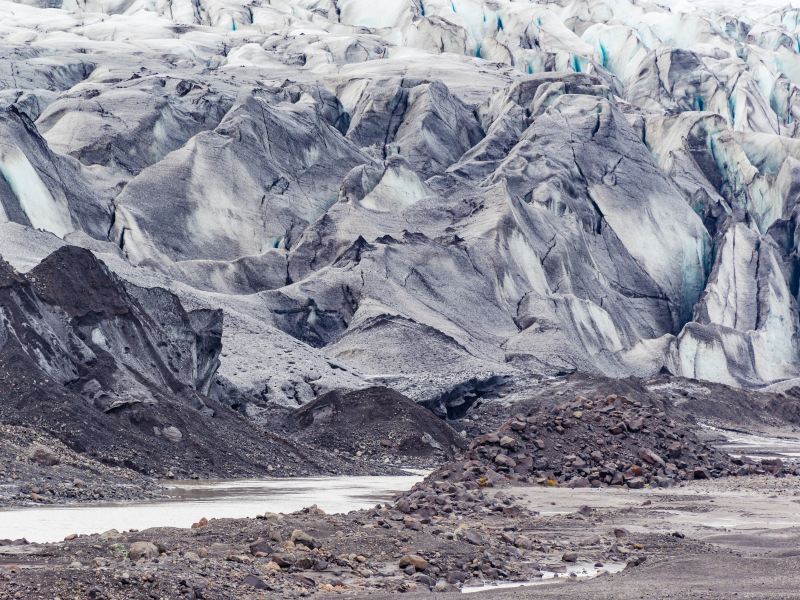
(37, 203)
(416, 189)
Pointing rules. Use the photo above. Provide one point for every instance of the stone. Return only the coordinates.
(261, 547)
(415, 561)
(271, 567)
(255, 582)
(635, 425)
(301, 537)
(283, 560)
(579, 482)
(143, 550)
(239, 558)
(505, 461)
(111, 534)
(487, 439)
(674, 450)
(43, 456)
(507, 442)
(620, 532)
(636, 483)
(173, 434)
(651, 457)
(424, 579)
(471, 536)
(570, 557)
(455, 577)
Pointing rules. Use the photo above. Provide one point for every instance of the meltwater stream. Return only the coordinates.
(191, 500)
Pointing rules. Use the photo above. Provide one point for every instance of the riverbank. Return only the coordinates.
(185, 502)
(38, 469)
(660, 535)
(580, 490)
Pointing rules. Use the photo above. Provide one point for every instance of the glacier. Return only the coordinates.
(422, 192)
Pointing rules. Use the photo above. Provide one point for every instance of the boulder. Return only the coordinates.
(143, 550)
(43, 456)
(415, 561)
(301, 537)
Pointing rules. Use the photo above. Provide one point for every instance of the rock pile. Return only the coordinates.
(593, 443)
(37, 468)
(375, 423)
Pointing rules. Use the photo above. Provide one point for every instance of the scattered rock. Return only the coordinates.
(255, 582)
(43, 456)
(301, 537)
(414, 561)
(173, 434)
(143, 550)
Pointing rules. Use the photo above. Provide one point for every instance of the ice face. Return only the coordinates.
(424, 187)
(40, 207)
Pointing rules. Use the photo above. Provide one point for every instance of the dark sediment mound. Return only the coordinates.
(73, 279)
(374, 422)
(121, 373)
(35, 467)
(607, 441)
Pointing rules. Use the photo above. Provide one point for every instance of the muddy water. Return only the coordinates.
(578, 571)
(191, 500)
(740, 443)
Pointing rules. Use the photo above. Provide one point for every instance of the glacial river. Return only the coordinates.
(191, 500)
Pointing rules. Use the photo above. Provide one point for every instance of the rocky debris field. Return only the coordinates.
(439, 537)
(472, 521)
(611, 441)
(38, 469)
(375, 423)
(686, 400)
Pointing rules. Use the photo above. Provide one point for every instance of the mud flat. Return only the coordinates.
(728, 538)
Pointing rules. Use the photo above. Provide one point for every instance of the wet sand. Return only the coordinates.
(742, 540)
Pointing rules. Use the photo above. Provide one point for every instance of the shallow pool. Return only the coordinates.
(191, 500)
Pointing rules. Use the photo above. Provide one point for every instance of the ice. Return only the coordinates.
(607, 185)
(701, 359)
(40, 207)
(398, 189)
(592, 323)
